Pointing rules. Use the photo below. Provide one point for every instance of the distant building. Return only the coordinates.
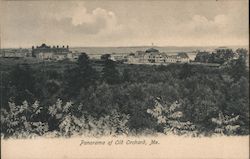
(152, 50)
(15, 53)
(45, 52)
(223, 50)
(118, 57)
(171, 59)
(133, 59)
(73, 56)
(179, 58)
(154, 56)
(183, 57)
(202, 56)
(45, 55)
(225, 53)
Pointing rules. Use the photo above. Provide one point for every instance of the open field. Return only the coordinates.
(169, 147)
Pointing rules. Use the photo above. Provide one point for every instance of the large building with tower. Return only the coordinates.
(46, 52)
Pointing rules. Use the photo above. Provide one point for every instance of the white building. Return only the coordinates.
(45, 55)
(117, 57)
(171, 59)
(132, 59)
(154, 56)
(60, 56)
(15, 53)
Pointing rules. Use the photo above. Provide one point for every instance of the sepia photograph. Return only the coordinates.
(130, 79)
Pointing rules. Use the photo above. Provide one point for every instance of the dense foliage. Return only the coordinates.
(220, 57)
(225, 124)
(169, 118)
(23, 121)
(111, 98)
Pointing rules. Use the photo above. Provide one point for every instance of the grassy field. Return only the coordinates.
(168, 147)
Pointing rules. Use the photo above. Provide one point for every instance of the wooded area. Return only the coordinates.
(112, 98)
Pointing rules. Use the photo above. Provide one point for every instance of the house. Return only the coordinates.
(132, 59)
(73, 56)
(59, 56)
(143, 57)
(154, 56)
(182, 57)
(118, 57)
(45, 52)
(224, 53)
(45, 55)
(223, 50)
(14, 53)
(170, 59)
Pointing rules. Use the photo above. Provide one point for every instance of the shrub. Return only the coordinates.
(22, 120)
(68, 124)
(225, 124)
(170, 118)
(113, 124)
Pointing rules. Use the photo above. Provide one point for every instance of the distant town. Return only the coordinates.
(149, 56)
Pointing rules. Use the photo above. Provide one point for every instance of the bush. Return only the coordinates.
(22, 120)
(225, 124)
(170, 118)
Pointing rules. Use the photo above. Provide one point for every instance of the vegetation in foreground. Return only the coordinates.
(106, 98)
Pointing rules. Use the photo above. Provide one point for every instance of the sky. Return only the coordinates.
(125, 23)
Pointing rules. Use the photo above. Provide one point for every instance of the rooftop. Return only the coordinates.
(183, 55)
(151, 50)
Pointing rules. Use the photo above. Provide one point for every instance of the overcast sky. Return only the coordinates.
(124, 23)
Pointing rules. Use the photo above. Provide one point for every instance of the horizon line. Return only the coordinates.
(122, 46)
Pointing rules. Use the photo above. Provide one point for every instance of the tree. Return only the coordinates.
(23, 120)
(109, 73)
(186, 71)
(22, 83)
(126, 76)
(81, 76)
(238, 103)
(88, 75)
(83, 60)
(225, 124)
(242, 52)
(237, 68)
(170, 118)
(4, 89)
(202, 57)
(105, 57)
